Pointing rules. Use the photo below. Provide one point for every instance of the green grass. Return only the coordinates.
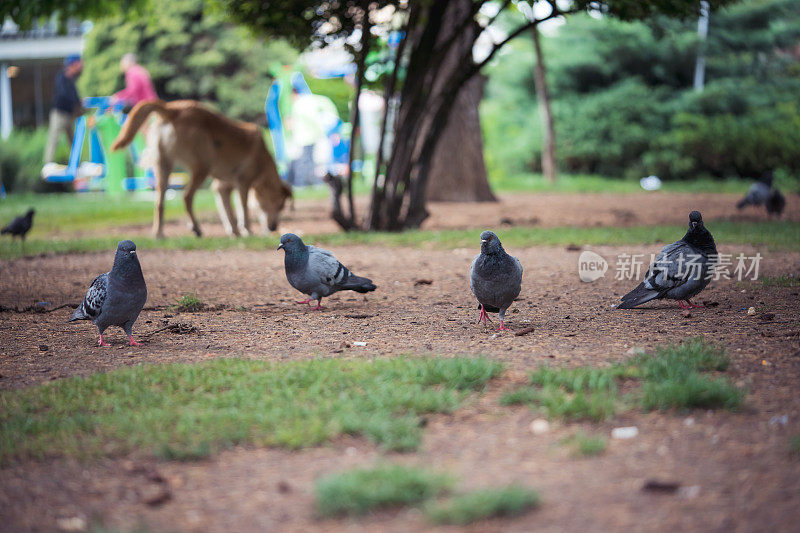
(582, 183)
(794, 445)
(587, 445)
(769, 234)
(358, 492)
(187, 411)
(780, 281)
(482, 504)
(189, 303)
(674, 377)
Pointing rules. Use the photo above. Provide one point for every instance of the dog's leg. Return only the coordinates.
(244, 213)
(162, 171)
(222, 197)
(197, 179)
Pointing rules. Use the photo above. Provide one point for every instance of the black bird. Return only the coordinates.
(681, 270)
(763, 193)
(20, 226)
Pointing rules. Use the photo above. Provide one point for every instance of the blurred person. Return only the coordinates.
(138, 84)
(311, 119)
(66, 105)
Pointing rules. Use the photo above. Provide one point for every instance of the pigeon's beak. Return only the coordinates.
(280, 246)
(133, 252)
(693, 225)
(484, 240)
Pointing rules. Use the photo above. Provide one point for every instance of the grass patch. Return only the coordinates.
(780, 281)
(184, 411)
(361, 491)
(770, 234)
(188, 303)
(586, 183)
(794, 445)
(482, 504)
(587, 445)
(674, 377)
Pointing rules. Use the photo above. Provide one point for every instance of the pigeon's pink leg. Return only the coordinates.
(132, 342)
(319, 306)
(306, 301)
(101, 343)
(695, 306)
(683, 305)
(502, 327)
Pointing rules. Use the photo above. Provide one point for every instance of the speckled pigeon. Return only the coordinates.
(116, 298)
(495, 278)
(681, 270)
(20, 226)
(317, 272)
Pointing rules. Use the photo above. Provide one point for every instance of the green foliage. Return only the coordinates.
(21, 160)
(483, 504)
(189, 303)
(358, 492)
(670, 378)
(26, 12)
(780, 281)
(587, 445)
(624, 105)
(794, 445)
(190, 52)
(182, 411)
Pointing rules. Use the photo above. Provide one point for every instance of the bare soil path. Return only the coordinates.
(737, 465)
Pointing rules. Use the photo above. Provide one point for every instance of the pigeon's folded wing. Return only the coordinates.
(95, 296)
(324, 266)
(674, 266)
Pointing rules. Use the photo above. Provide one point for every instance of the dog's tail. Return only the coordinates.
(137, 117)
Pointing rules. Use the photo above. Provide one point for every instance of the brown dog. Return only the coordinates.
(208, 143)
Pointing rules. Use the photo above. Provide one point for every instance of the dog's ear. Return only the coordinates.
(288, 193)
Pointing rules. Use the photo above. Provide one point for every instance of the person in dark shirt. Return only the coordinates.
(66, 105)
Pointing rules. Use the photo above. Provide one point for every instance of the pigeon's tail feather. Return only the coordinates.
(743, 202)
(637, 297)
(4, 231)
(359, 284)
(137, 117)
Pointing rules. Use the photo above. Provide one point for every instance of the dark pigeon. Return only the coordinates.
(117, 297)
(20, 226)
(681, 270)
(317, 272)
(763, 193)
(495, 278)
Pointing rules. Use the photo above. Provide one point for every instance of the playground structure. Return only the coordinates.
(104, 170)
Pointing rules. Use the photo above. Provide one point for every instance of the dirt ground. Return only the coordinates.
(735, 470)
(546, 210)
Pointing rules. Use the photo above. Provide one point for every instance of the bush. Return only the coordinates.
(21, 159)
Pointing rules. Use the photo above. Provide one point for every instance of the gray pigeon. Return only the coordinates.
(20, 226)
(763, 193)
(317, 272)
(116, 298)
(495, 278)
(681, 270)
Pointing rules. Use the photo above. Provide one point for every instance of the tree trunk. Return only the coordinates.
(458, 172)
(543, 99)
(440, 64)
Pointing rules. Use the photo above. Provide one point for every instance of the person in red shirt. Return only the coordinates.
(138, 85)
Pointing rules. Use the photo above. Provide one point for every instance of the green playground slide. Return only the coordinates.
(116, 168)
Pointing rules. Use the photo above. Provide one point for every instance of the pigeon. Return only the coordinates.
(116, 298)
(20, 226)
(763, 193)
(775, 203)
(681, 270)
(317, 272)
(495, 278)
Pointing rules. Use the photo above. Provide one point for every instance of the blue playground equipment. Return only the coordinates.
(272, 108)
